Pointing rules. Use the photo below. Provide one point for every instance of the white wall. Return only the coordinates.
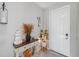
(45, 19)
(73, 29)
(73, 25)
(77, 29)
(17, 14)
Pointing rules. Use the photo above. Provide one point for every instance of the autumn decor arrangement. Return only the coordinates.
(27, 30)
(44, 33)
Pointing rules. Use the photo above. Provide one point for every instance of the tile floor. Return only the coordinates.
(48, 54)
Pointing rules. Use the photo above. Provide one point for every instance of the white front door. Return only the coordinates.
(59, 30)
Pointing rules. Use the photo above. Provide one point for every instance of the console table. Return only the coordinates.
(23, 46)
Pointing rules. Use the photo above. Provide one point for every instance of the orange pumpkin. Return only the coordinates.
(27, 53)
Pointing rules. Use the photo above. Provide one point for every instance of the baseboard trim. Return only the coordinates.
(58, 52)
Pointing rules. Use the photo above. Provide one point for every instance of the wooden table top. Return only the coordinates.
(23, 43)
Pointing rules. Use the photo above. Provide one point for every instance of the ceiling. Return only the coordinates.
(45, 4)
(54, 5)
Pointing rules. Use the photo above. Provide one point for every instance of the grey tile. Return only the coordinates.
(48, 54)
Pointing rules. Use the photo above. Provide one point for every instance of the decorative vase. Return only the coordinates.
(28, 37)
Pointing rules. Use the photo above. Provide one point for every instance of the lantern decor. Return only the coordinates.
(3, 14)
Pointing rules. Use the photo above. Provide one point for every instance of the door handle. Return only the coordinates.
(66, 36)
